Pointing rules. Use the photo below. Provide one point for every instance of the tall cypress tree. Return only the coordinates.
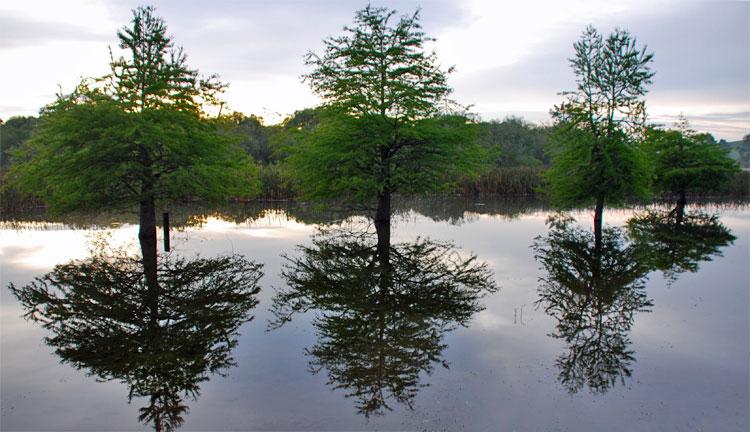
(385, 128)
(599, 125)
(137, 136)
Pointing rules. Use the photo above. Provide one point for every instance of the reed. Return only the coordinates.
(275, 183)
(515, 181)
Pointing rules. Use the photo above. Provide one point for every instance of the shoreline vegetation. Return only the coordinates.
(504, 182)
(518, 169)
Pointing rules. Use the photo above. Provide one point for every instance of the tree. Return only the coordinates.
(13, 133)
(253, 136)
(515, 142)
(598, 126)
(383, 128)
(137, 136)
(744, 151)
(687, 162)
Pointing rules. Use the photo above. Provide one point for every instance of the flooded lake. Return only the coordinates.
(477, 316)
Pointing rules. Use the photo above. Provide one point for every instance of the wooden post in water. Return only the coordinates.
(166, 231)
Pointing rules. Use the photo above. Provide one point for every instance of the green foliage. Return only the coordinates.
(514, 142)
(382, 130)
(293, 131)
(13, 133)
(155, 74)
(686, 162)
(252, 136)
(379, 68)
(348, 157)
(138, 134)
(594, 147)
(91, 154)
(584, 169)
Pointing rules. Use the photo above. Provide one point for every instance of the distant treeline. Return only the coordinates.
(516, 147)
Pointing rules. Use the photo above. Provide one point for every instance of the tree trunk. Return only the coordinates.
(147, 239)
(383, 228)
(598, 216)
(679, 210)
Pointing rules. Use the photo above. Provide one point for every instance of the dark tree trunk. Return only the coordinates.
(598, 216)
(679, 209)
(165, 228)
(383, 228)
(383, 218)
(147, 239)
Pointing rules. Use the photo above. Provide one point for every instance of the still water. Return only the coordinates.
(485, 316)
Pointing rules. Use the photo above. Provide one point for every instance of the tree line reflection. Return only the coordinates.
(384, 310)
(595, 293)
(105, 318)
(381, 309)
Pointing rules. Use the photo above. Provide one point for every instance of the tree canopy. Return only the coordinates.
(139, 133)
(514, 142)
(13, 133)
(384, 127)
(594, 147)
(595, 151)
(688, 162)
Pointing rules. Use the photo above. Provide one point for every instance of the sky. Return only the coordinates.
(511, 57)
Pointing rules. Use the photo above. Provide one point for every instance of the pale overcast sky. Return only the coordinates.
(511, 57)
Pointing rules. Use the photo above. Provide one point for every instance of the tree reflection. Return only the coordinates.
(101, 317)
(382, 313)
(594, 296)
(676, 244)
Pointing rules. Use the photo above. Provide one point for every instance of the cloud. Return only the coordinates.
(511, 58)
(701, 64)
(731, 125)
(258, 47)
(18, 31)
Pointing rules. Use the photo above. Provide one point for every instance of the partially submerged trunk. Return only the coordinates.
(383, 229)
(147, 234)
(679, 209)
(147, 240)
(598, 217)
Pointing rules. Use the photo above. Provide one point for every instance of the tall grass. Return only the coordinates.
(275, 183)
(515, 181)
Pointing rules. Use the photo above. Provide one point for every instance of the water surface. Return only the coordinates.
(665, 348)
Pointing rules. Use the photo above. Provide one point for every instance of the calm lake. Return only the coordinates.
(538, 332)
